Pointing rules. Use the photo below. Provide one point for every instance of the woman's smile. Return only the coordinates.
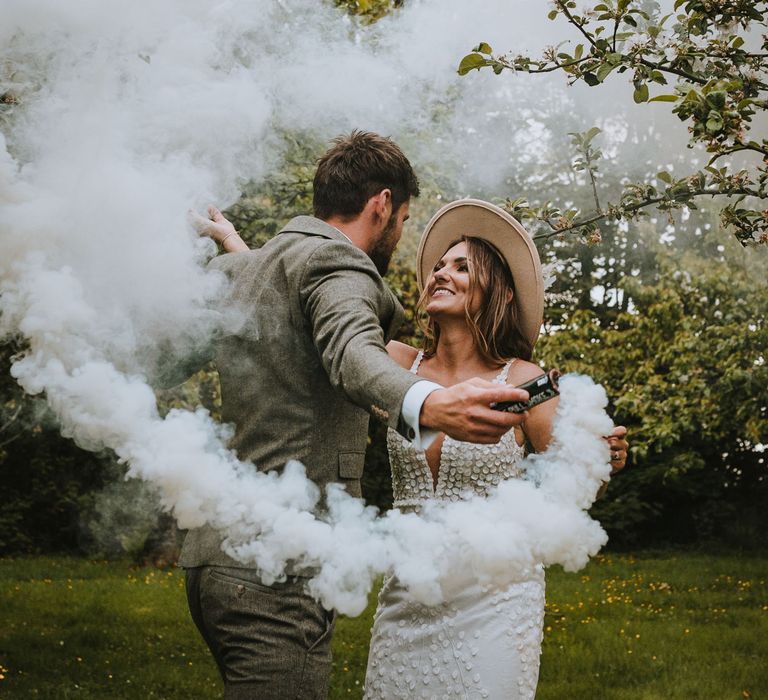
(450, 280)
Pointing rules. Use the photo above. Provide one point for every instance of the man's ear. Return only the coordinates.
(510, 295)
(384, 204)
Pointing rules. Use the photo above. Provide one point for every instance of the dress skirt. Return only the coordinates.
(482, 642)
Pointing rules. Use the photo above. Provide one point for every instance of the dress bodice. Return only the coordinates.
(465, 467)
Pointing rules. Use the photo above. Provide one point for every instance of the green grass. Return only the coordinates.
(652, 626)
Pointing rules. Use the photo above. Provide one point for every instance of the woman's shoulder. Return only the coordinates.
(401, 353)
(522, 370)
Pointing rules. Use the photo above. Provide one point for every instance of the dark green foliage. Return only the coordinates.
(45, 480)
(57, 497)
(377, 476)
(47, 483)
(686, 370)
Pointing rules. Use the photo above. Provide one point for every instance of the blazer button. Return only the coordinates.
(379, 413)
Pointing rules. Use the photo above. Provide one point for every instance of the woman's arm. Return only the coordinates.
(401, 353)
(220, 229)
(537, 427)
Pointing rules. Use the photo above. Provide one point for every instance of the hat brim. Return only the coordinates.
(479, 219)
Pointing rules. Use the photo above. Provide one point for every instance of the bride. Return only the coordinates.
(482, 291)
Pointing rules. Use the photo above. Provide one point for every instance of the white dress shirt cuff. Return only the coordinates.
(412, 403)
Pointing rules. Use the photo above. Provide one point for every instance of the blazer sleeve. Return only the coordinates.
(347, 305)
(173, 369)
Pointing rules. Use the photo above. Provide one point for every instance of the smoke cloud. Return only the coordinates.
(117, 119)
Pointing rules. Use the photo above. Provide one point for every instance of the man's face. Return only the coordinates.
(382, 250)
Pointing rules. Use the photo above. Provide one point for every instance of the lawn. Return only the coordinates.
(650, 626)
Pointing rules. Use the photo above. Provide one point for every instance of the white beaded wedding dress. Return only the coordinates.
(482, 641)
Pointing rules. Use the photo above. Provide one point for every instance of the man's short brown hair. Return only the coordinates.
(356, 168)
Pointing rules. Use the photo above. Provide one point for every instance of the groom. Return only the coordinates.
(298, 381)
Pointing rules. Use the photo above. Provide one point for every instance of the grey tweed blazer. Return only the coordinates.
(308, 363)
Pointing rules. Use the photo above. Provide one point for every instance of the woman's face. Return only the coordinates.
(448, 287)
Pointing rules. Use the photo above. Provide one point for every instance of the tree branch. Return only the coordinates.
(5, 426)
(10, 440)
(675, 71)
(557, 66)
(598, 208)
(631, 208)
(737, 149)
(576, 24)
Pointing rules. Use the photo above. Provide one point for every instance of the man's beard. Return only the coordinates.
(382, 251)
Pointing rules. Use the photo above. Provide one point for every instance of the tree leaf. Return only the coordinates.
(717, 98)
(604, 71)
(472, 61)
(589, 135)
(714, 122)
(591, 79)
(641, 93)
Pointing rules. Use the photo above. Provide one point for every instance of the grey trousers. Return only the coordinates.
(269, 642)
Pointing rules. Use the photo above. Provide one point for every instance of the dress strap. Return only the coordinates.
(417, 362)
(502, 376)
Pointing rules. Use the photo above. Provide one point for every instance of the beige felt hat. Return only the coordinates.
(474, 217)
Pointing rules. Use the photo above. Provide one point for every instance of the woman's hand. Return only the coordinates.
(219, 229)
(619, 448)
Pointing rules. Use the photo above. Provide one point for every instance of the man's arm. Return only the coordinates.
(346, 301)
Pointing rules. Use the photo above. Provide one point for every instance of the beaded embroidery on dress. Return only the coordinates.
(482, 642)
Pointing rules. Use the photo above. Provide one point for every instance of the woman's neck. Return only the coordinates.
(457, 354)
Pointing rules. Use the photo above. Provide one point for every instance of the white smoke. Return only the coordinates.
(120, 117)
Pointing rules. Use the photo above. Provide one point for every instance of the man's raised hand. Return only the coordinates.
(219, 228)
